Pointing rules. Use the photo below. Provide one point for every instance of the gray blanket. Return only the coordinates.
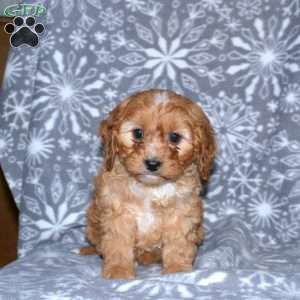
(239, 59)
(228, 266)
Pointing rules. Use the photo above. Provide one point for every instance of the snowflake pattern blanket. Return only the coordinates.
(239, 59)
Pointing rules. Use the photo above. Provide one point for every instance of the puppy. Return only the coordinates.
(158, 147)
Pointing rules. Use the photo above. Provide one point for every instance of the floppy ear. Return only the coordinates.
(108, 133)
(205, 146)
(206, 150)
(109, 140)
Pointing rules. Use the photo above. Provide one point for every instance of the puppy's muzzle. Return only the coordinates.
(152, 165)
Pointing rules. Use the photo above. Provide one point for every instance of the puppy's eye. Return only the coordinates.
(174, 138)
(138, 134)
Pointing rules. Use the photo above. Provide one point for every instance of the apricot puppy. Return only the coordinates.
(158, 147)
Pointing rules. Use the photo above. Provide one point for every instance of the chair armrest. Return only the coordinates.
(4, 42)
(8, 224)
(8, 209)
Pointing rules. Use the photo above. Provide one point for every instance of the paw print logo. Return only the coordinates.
(24, 31)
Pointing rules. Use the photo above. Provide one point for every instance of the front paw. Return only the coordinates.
(118, 272)
(176, 268)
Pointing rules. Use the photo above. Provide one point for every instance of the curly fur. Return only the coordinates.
(157, 217)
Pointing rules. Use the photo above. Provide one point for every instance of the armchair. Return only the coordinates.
(240, 60)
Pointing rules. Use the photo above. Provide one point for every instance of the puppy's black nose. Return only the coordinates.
(152, 164)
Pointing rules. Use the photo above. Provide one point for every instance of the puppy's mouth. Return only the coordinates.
(150, 179)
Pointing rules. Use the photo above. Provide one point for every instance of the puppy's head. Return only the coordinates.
(156, 135)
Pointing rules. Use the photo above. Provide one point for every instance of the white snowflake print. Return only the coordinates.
(233, 24)
(264, 209)
(231, 207)
(110, 94)
(103, 56)
(287, 290)
(235, 126)
(287, 231)
(100, 37)
(246, 180)
(276, 179)
(265, 56)
(13, 70)
(85, 21)
(290, 100)
(292, 162)
(108, 107)
(57, 295)
(38, 144)
(118, 40)
(264, 239)
(64, 143)
(272, 124)
(219, 7)
(272, 106)
(34, 176)
(135, 5)
(294, 210)
(86, 136)
(54, 208)
(280, 140)
(94, 159)
(17, 109)
(179, 55)
(211, 4)
(6, 143)
(76, 157)
(54, 224)
(261, 280)
(13, 183)
(249, 8)
(78, 39)
(291, 7)
(48, 43)
(111, 19)
(68, 93)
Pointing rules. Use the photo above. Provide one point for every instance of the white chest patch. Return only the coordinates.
(146, 216)
(165, 190)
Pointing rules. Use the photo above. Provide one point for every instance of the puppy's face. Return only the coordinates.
(156, 134)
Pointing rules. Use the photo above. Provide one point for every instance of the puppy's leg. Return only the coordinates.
(92, 230)
(178, 256)
(117, 247)
(182, 233)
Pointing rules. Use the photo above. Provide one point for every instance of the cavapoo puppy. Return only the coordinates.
(158, 147)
